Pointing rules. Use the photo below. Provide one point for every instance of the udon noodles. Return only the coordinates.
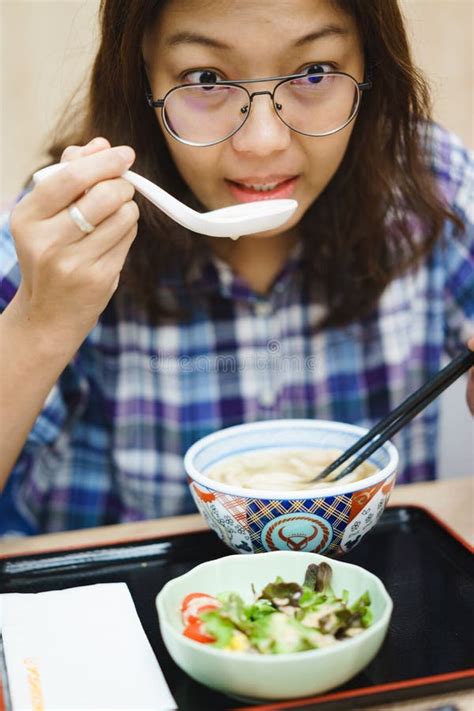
(282, 469)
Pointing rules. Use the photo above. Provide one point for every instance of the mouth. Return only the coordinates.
(269, 188)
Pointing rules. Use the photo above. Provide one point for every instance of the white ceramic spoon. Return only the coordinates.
(233, 221)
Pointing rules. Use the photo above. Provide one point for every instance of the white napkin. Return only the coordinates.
(80, 649)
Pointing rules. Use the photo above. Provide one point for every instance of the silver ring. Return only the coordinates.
(79, 220)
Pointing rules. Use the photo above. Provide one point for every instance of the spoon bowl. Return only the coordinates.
(233, 221)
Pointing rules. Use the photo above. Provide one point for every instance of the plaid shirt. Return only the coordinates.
(108, 444)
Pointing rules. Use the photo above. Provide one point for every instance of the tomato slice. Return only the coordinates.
(195, 631)
(193, 611)
(194, 596)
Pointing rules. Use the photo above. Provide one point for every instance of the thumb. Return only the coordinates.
(94, 146)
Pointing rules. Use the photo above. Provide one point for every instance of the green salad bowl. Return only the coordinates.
(259, 677)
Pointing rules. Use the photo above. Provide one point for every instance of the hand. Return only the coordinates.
(68, 277)
(470, 380)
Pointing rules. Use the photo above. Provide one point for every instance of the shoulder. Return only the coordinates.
(452, 165)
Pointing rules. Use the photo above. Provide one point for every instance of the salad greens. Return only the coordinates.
(285, 617)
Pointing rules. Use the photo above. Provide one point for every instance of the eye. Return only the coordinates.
(314, 69)
(317, 69)
(312, 81)
(202, 76)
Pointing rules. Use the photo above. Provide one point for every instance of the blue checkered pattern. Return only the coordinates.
(335, 511)
(108, 444)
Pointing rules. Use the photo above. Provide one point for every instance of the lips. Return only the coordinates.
(270, 187)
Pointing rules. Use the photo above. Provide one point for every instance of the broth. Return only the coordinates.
(282, 469)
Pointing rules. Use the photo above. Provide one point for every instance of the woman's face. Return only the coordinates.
(248, 40)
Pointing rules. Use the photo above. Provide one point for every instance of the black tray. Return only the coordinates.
(428, 572)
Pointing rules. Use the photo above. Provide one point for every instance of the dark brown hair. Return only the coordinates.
(359, 234)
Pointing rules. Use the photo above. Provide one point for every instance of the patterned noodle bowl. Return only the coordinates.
(329, 520)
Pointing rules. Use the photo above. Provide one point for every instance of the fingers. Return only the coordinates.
(113, 260)
(470, 387)
(107, 269)
(100, 202)
(94, 245)
(58, 191)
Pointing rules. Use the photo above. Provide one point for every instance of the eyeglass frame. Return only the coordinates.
(160, 103)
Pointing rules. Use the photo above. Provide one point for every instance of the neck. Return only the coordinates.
(258, 260)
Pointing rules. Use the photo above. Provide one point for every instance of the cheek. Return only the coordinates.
(190, 162)
(326, 154)
(197, 166)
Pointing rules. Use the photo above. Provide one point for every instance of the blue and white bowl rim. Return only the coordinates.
(386, 458)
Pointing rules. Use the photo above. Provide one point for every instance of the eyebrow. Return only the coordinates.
(186, 37)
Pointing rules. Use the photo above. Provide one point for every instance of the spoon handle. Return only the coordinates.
(46, 172)
(167, 203)
(180, 213)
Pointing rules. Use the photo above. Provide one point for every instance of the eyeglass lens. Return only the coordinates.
(315, 105)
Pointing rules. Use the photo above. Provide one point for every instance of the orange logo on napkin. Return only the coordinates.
(34, 685)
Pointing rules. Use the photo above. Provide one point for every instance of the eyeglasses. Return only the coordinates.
(205, 114)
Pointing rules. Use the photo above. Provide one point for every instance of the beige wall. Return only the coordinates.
(47, 46)
(442, 36)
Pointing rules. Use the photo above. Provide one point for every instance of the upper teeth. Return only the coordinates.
(262, 188)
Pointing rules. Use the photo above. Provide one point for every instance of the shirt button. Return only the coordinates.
(263, 308)
(267, 397)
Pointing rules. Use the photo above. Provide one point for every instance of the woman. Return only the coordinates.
(126, 338)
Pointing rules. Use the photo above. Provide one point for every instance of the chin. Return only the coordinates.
(286, 229)
(266, 235)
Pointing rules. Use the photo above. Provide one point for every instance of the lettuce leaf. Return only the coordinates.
(281, 593)
(218, 627)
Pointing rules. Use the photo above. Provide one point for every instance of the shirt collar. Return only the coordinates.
(216, 275)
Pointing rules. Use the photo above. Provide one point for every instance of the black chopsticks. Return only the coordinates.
(410, 407)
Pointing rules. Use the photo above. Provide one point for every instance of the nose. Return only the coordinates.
(263, 132)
